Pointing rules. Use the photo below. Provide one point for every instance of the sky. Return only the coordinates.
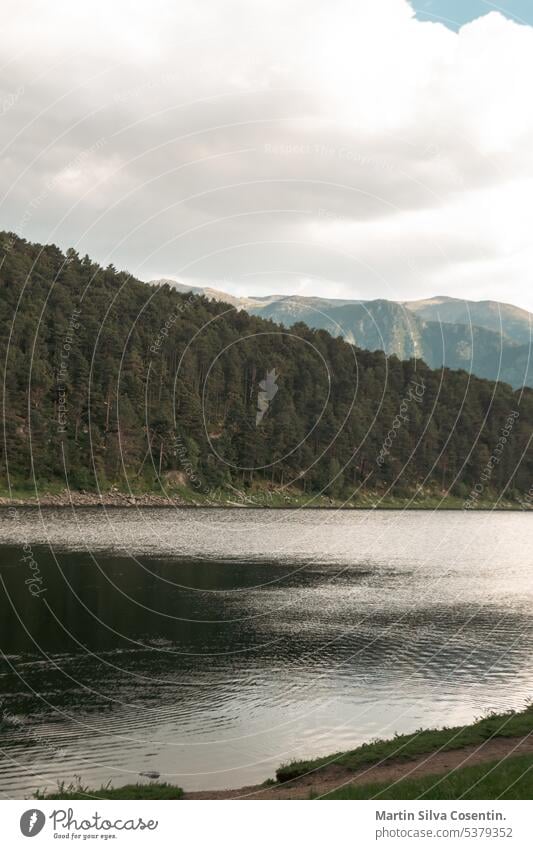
(346, 148)
(455, 13)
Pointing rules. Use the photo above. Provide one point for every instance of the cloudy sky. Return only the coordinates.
(367, 148)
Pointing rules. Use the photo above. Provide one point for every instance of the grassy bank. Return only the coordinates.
(409, 746)
(506, 779)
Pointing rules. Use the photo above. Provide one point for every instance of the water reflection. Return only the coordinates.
(214, 670)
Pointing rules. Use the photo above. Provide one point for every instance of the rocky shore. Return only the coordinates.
(94, 499)
(421, 500)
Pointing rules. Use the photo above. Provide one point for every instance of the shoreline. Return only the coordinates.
(140, 503)
(332, 779)
(399, 765)
(255, 501)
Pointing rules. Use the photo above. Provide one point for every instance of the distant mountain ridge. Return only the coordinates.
(515, 323)
(487, 338)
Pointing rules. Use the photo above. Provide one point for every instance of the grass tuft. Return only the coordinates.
(76, 790)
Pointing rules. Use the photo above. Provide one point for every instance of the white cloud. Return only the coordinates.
(274, 146)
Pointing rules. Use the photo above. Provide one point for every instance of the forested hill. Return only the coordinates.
(110, 380)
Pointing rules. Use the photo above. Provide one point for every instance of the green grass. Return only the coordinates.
(508, 779)
(127, 791)
(409, 746)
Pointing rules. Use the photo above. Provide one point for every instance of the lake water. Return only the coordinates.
(213, 645)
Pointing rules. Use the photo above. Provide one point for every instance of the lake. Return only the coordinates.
(212, 645)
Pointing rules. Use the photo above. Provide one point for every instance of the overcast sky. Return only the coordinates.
(351, 149)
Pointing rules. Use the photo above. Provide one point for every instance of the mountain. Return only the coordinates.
(485, 338)
(515, 324)
(110, 381)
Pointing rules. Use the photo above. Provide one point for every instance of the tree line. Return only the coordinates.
(108, 380)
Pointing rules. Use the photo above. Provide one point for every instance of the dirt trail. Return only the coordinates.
(333, 777)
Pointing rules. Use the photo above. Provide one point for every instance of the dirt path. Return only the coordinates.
(333, 777)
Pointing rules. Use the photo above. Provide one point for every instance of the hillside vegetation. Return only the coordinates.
(108, 380)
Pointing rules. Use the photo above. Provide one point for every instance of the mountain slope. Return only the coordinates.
(485, 338)
(515, 324)
(109, 380)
